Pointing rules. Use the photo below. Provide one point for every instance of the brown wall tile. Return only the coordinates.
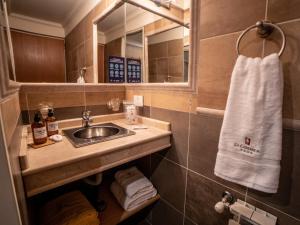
(10, 111)
(282, 10)
(223, 17)
(175, 47)
(203, 147)
(89, 52)
(288, 197)
(164, 214)
(169, 179)
(58, 99)
(180, 131)
(202, 195)
(282, 218)
(101, 98)
(158, 50)
(217, 59)
(291, 66)
(178, 101)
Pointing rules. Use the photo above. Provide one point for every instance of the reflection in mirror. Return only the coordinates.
(133, 44)
(149, 49)
(134, 56)
(111, 51)
(166, 56)
(6, 34)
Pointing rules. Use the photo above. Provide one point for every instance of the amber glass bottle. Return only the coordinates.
(39, 131)
(52, 125)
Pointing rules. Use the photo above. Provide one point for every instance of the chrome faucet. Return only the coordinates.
(86, 118)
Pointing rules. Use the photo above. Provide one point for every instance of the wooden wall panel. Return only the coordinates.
(38, 58)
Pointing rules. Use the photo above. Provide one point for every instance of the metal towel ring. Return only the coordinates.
(264, 29)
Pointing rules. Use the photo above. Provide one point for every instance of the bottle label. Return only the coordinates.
(40, 132)
(52, 126)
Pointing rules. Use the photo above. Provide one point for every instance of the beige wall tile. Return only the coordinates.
(179, 101)
(58, 99)
(101, 98)
(10, 111)
(222, 17)
(145, 93)
(291, 66)
(23, 101)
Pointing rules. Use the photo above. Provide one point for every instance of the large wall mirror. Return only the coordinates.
(136, 45)
(131, 42)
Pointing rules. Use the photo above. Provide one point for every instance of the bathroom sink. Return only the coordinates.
(96, 131)
(83, 136)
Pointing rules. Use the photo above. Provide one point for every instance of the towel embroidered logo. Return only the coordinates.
(245, 148)
(247, 141)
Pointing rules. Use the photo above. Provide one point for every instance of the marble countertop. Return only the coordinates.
(64, 152)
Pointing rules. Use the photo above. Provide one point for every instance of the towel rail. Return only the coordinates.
(264, 29)
(290, 124)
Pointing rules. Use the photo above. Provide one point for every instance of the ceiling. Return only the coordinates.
(51, 10)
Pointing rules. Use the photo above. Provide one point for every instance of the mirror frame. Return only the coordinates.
(7, 86)
(194, 43)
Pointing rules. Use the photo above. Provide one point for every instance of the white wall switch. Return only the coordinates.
(138, 100)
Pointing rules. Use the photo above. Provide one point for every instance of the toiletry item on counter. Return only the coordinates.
(52, 125)
(139, 127)
(130, 112)
(39, 131)
(56, 138)
(132, 189)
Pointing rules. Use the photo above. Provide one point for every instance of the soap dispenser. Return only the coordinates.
(39, 131)
(52, 125)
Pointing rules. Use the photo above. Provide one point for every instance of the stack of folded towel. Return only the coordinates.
(131, 188)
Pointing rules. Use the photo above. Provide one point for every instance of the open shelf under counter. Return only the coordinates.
(61, 163)
(114, 213)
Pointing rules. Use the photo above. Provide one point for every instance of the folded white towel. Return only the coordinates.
(130, 203)
(251, 135)
(133, 181)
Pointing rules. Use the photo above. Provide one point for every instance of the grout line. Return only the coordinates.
(199, 174)
(266, 11)
(264, 40)
(289, 21)
(239, 31)
(148, 222)
(215, 181)
(170, 205)
(246, 195)
(278, 210)
(27, 106)
(187, 158)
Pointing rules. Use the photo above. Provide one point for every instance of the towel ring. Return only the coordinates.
(264, 29)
